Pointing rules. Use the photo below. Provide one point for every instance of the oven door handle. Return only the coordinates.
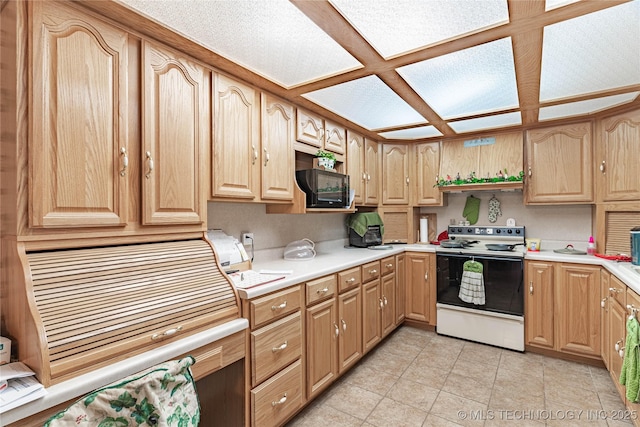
(481, 257)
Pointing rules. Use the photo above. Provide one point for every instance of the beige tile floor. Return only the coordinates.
(418, 378)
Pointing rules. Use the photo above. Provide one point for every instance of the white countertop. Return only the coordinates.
(336, 258)
(84, 384)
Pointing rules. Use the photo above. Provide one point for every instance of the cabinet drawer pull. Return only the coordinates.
(353, 279)
(322, 291)
(389, 265)
(281, 401)
(617, 291)
(150, 159)
(166, 333)
(344, 325)
(372, 272)
(125, 161)
(279, 307)
(280, 347)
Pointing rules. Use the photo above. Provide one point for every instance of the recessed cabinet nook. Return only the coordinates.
(116, 132)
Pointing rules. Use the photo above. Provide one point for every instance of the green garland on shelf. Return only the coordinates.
(473, 179)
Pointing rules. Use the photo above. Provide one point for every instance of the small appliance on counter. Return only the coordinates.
(365, 229)
(635, 246)
(324, 189)
(300, 250)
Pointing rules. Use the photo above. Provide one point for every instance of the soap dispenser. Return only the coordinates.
(591, 246)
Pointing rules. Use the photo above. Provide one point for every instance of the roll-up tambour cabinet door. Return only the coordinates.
(104, 304)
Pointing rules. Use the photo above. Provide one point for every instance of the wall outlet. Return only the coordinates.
(247, 239)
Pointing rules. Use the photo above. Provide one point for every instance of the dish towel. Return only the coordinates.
(472, 283)
(471, 209)
(360, 221)
(630, 374)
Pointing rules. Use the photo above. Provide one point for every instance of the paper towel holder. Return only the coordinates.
(432, 223)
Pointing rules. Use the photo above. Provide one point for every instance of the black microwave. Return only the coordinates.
(324, 189)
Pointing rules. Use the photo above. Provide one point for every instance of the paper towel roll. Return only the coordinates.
(424, 230)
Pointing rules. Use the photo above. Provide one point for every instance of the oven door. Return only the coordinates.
(503, 282)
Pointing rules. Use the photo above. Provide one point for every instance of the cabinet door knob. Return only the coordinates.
(603, 303)
(617, 346)
(407, 180)
(531, 287)
(255, 154)
(529, 170)
(385, 300)
(150, 161)
(337, 330)
(426, 276)
(125, 161)
(266, 157)
(281, 401)
(344, 325)
(603, 167)
(381, 303)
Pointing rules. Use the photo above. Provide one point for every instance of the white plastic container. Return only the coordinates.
(300, 250)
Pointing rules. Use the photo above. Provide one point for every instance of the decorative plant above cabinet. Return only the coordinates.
(501, 177)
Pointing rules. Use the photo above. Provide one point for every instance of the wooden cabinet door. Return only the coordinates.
(335, 137)
(322, 345)
(78, 147)
(373, 166)
(236, 145)
(427, 168)
(398, 224)
(401, 275)
(388, 289)
(309, 128)
(633, 302)
(418, 286)
(617, 338)
(371, 314)
(577, 309)
(605, 307)
(559, 165)
(278, 130)
(538, 307)
(619, 158)
(175, 135)
(355, 165)
(350, 324)
(395, 174)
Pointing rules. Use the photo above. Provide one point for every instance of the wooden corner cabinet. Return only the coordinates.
(559, 165)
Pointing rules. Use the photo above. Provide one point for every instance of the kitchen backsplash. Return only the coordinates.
(557, 226)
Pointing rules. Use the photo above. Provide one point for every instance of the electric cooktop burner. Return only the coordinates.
(484, 240)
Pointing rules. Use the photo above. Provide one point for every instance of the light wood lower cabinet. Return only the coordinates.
(276, 380)
(322, 346)
(562, 307)
(372, 306)
(401, 275)
(350, 324)
(388, 296)
(617, 330)
(420, 285)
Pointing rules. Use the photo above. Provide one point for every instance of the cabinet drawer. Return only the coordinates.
(349, 279)
(218, 354)
(618, 290)
(275, 346)
(388, 265)
(320, 289)
(370, 271)
(277, 399)
(274, 306)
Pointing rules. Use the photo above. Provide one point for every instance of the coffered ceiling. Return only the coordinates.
(424, 69)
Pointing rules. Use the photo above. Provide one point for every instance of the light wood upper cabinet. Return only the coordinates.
(373, 167)
(78, 148)
(619, 157)
(396, 181)
(309, 128)
(559, 165)
(427, 163)
(355, 165)
(278, 132)
(236, 146)
(335, 137)
(539, 312)
(175, 135)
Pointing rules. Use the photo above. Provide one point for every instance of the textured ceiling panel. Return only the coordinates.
(270, 37)
(490, 122)
(591, 53)
(585, 107)
(367, 102)
(413, 133)
(471, 81)
(554, 4)
(398, 26)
